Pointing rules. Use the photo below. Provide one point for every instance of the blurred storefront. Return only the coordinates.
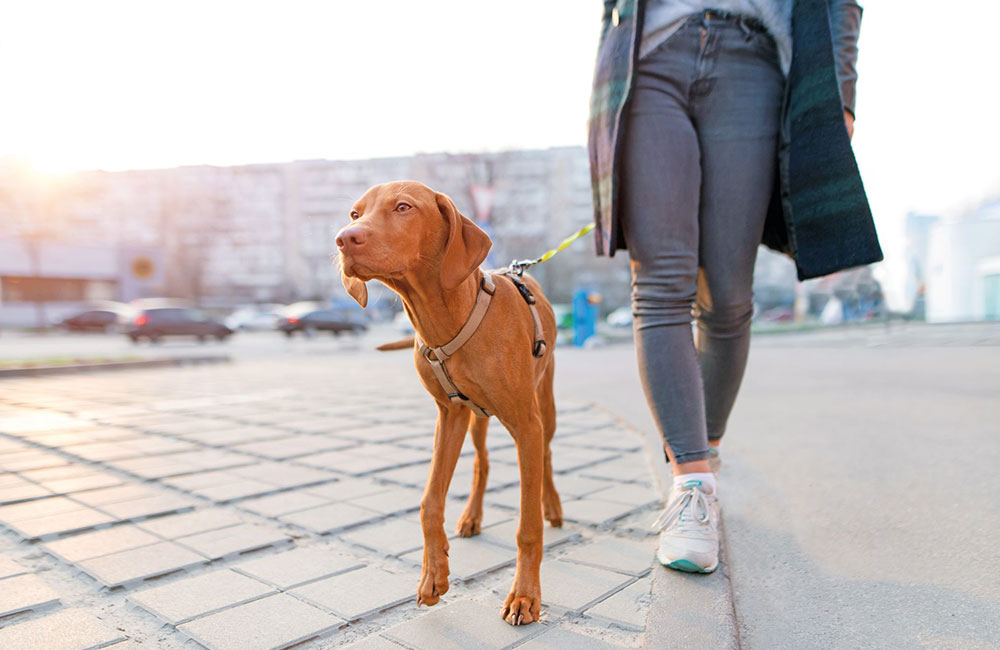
(42, 282)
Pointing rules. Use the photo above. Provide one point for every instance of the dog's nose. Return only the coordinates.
(350, 237)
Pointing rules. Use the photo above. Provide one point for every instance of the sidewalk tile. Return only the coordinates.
(635, 495)
(25, 592)
(463, 625)
(293, 446)
(298, 566)
(505, 535)
(282, 475)
(374, 642)
(560, 639)
(116, 494)
(101, 542)
(393, 501)
(574, 587)
(357, 594)
(348, 488)
(574, 485)
(180, 601)
(470, 557)
(22, 491)
(615, 554)
(627, 608)
(283, 503)
(35, 509)
(232, 540)
(454, 508)
(140, 563)
(70, 629)
(189, 523)
(390, 537)
(596, 512)
(64, 522)
(331, 518)
(57, 473)
(10, 568)
(238, 488)
(267, 624)
(148, 506)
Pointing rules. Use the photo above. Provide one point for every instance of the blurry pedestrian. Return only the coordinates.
(717, 125)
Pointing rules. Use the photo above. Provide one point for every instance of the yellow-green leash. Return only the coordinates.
(518, 266)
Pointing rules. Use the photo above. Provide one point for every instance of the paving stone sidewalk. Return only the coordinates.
(266, 504)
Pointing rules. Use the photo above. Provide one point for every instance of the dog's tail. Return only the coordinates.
(401, 344)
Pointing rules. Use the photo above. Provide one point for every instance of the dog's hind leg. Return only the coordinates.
(551, 505)
(470, 523)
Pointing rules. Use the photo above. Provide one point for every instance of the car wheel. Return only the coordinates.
(288, 334)
(154, 338)
(133, 338)
(221, 337)
(201, 338)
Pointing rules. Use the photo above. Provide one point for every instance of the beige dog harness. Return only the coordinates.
(437, 356)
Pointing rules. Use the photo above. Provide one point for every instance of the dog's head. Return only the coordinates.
(406, 229)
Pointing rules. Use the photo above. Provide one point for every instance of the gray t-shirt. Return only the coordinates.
(664, 17)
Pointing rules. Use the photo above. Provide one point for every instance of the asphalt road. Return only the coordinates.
(859, 490)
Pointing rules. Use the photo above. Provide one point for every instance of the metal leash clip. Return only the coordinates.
(517, 267)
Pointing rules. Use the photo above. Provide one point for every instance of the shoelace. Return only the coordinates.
(691, 497)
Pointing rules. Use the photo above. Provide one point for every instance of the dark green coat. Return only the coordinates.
(819, 213)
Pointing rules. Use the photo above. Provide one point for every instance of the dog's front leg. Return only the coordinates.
(524, 602)
(448, 438)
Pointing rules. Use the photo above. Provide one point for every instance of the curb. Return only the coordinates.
(113, 365)
(686, 610)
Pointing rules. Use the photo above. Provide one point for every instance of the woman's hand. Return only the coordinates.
(849, 121)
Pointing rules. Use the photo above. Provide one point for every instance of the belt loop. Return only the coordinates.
(744, 28)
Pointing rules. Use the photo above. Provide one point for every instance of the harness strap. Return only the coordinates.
(539, 345)
(437, 356)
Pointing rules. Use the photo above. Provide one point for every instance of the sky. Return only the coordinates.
(148, 84)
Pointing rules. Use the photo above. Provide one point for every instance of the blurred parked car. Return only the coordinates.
(777, 315)
(156, 323)
(255, 317)
(93, 320)
(335, 320)
(621, 317)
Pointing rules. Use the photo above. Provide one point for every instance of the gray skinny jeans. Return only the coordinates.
(698, 167)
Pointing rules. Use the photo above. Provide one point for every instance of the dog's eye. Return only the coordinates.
(403, 207)
(354, 215)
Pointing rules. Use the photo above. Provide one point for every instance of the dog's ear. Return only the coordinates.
(357, 288)
(466, 248)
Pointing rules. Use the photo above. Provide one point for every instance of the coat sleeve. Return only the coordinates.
(845, 25)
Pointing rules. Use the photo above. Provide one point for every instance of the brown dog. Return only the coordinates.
(415, 241)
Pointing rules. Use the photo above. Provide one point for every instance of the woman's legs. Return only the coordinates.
(661, 181)
(697, 172)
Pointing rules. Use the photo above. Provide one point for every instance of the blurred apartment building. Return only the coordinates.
(223, 236)
(953, 265)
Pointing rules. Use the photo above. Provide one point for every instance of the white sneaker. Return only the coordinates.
(690, 524)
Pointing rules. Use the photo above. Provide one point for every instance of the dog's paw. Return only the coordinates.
(469, 525)
(433, 583)
(521, 610)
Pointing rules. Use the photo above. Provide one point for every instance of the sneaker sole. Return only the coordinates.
(687, 566)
